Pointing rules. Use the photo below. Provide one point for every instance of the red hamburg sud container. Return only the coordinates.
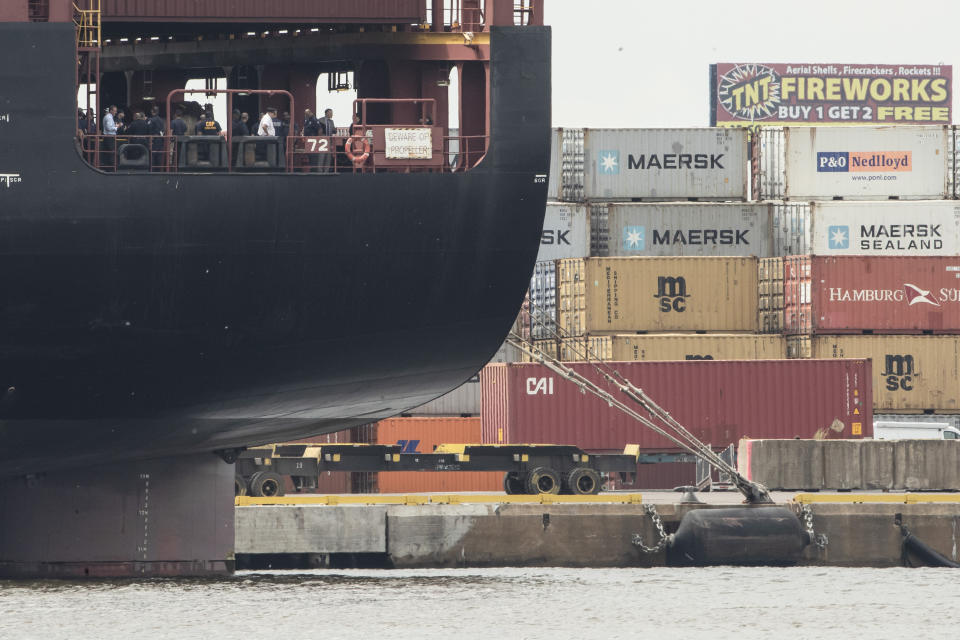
(872, 294)
(719, 401)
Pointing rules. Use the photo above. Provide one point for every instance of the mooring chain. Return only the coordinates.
(819, 539)
(637, 539)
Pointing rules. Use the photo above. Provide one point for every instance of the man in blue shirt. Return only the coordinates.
(155, 123)
(178, 127)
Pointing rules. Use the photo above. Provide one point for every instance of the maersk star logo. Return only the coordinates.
(839, 236)
(916, 295)
(634, 239)
(610, 162)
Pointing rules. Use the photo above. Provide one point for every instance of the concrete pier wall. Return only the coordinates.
(569, 535)
(813, 465)
(476, 535)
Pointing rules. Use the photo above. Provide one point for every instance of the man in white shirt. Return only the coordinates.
(109, 124)
(108, 144)
(266, 123)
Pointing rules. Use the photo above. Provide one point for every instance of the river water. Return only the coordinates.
(557, 604)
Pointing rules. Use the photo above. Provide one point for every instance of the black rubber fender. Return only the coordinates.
(924, 552)
(751, 536)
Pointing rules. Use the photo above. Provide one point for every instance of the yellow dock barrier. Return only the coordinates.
(419, 499)
(888, 498)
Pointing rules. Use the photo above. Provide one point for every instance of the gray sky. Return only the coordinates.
(644, 63)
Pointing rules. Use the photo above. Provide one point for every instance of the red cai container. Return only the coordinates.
(662, 475)
(719, 401)
(880, 294)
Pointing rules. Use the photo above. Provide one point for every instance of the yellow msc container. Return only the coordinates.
(911, 374)
(675, 346)
(619, 295)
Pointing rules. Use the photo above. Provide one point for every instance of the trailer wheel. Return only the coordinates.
(239, 485)
(584, 482)
(543, 480)
(266, 484)
(513, 483)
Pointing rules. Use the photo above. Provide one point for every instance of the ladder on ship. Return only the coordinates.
(657, 418)
(87, 19)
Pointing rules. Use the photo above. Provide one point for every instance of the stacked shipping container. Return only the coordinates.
(652, 198)
(652, 250)
(718, 401)
(877, 279)
(671, 271)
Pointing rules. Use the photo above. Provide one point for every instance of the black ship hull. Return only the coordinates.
(159, 314)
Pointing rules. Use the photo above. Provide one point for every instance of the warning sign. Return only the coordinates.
(408, 144)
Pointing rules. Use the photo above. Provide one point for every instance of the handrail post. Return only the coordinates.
(229, 133)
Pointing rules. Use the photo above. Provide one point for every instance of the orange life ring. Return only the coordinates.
(355, 158)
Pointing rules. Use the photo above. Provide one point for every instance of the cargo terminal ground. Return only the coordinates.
(901, 496)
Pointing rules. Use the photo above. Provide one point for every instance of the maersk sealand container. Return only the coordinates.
(665, 164)
(887, 228)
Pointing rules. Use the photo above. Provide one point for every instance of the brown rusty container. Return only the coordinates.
(619, 295)
(910, 373)
(871, 294)
(719, 401)
(675, 346)
(422, 435)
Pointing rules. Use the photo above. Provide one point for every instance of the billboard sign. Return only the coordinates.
(745, 94)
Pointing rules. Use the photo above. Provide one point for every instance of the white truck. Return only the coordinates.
(883, 430)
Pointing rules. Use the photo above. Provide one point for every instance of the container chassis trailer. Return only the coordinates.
(528, 468)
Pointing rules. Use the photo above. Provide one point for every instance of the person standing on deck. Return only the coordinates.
(109, 121)
(178, 126)
(238, 127)
(155, 123)
(327, 128)
(208, 125)
(110, 137)
(311, 128)
(266, 127)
